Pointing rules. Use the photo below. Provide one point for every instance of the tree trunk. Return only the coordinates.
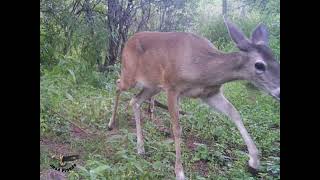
(119, 21)
(112, 51)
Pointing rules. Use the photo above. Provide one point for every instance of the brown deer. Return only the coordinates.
(186, 65)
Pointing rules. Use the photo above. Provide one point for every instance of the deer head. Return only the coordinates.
(260, 66)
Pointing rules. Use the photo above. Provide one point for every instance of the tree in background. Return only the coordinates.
(94, 31)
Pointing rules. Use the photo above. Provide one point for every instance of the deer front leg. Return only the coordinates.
(136, 102)
(220, 103)
(174, 113)
(114, 112)
(119, 89)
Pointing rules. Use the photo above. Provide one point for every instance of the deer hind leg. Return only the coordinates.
(136, 102)
(174, 112)
(121, 86)
(220, 103)
(151, 108)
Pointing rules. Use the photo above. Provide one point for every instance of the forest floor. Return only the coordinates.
(74, 122)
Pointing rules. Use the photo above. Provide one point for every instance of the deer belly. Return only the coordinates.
(200, 91)
(193, 93)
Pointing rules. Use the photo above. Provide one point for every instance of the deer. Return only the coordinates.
(183, 64)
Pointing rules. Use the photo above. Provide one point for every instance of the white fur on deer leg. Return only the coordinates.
(136, 110)
(132, 101)
(140, 145)
(140, 149)
(254, 162)
(110, 124)
(180, 176)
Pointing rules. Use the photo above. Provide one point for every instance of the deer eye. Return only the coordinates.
(261, 67)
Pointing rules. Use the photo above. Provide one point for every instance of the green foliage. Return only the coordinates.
(215, 30)
(65, 31)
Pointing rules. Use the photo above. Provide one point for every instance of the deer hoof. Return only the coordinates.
(110, 128)
(253, 167)
(254, 162)
(141, 151)
(253, 171)
(180, 176)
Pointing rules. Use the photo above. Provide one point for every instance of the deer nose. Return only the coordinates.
(276, 93)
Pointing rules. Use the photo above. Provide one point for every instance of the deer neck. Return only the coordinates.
(227, 67)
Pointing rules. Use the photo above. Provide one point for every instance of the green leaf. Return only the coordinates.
(138, 167)
(83, 169)
(69, 96)
(156, 165)
(73, 75)
(98, 170)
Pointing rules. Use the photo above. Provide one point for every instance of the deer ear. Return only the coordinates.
(260, 35)
(237, 35)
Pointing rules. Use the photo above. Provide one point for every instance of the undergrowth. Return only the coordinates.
(74, 93)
